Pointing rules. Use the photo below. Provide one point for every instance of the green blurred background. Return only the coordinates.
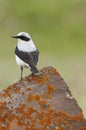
(58, 28)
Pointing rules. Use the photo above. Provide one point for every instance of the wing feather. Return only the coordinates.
(29, 58)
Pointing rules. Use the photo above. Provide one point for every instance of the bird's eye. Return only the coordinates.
(24, 38)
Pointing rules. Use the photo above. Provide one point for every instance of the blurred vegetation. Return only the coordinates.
(58, 28)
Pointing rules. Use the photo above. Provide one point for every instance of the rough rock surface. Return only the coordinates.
(40, 103)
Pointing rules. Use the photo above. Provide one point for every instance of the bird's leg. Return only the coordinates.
(21, 71)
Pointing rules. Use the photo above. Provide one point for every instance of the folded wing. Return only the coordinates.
(30, 58)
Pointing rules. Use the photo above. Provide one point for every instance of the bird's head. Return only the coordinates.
(22, 36)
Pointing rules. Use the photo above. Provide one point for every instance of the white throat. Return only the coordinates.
(26, 46)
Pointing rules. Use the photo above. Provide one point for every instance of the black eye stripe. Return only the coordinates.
(24, 38)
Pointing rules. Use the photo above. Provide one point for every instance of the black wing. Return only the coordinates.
(35, 56)
(29, 58)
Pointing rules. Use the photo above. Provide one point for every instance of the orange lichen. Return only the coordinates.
(56, 72)
(82, 128)
(42, 101)
(28, 89)
(20, 122)
(37, 97)
(50, 89)
(21, 108)
(17, 90)
(44, 95)
(45, 120)
(15, 84)
(1, 105)
(77, 117)
(19, 118)
(26, 114)
(43, 104)
(4, 128)
(30, 97)
(9, 123)
(6, 93)
(30, 110)
(42, 79)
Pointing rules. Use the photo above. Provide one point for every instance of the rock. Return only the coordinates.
(40, 103)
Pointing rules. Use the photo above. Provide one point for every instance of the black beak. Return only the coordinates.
(14, 36)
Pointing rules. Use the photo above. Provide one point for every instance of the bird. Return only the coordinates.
(26, 53)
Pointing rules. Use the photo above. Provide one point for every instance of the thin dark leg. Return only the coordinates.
(21, 71)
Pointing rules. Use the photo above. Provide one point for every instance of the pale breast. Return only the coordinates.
(26, 46)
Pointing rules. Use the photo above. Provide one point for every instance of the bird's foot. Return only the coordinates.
(37, 74)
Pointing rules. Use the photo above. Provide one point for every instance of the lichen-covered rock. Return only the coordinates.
(40, 103)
